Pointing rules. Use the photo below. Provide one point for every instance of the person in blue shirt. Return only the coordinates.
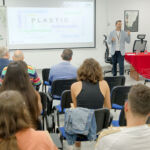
(117, 40)
(63, 70)
(4, 58)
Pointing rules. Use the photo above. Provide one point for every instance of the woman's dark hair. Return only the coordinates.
(17, 78)
(14, 117)
(90, 71)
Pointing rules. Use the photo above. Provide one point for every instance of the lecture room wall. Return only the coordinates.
(115, 10)
(107, 11)
(47, 58)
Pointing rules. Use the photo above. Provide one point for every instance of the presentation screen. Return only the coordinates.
(69, 25)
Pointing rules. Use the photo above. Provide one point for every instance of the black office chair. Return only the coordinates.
(119, 95)
(47, 115)
(115, 81)
(108, 59)
(122, 119)
(45, 76)
(58, 86)
(66, 101)
(140, 44)
(102, 117)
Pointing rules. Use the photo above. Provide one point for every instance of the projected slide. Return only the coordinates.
(51, 27)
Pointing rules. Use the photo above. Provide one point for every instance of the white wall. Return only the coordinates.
(115, 9)
(1, 2)
(107, 12)
(47, 58)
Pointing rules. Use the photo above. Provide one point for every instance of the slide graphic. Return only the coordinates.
(51, 25)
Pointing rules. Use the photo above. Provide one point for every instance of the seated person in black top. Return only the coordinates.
(91, 91)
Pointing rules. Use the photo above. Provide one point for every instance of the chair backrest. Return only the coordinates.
(115, 81)
(46, 103)
(107, 58)
(45, 74)
(102, 117)
(122, 119)
(119, 94)
(58, 86)
(66, 99)
(139, 45)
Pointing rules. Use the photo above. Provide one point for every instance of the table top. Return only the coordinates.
(140, 62)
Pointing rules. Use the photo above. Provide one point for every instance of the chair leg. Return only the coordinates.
(42, 87)
(45, 88)
(43, 122)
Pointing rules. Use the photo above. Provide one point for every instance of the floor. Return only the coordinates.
(90, 145)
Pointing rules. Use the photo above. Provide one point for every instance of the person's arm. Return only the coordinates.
(36, 79)
(73, 87)
(127, 37)
(111, 39)
(107, 103)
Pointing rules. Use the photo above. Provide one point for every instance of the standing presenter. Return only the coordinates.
(117, 39)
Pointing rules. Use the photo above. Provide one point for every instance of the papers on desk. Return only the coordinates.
(131, 54)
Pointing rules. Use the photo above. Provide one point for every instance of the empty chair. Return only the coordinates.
(119, 95)
(66, 101)
(108, 58)
(115, 81)
(45, 75)
(47, 112)
(140, 44)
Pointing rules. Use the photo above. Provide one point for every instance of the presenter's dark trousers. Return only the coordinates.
(118, 58)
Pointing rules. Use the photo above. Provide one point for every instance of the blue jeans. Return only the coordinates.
(118, 58)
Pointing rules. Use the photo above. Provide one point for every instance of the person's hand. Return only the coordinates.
(128, 32)
(113, 39)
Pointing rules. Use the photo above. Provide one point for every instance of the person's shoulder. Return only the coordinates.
(108, 132)
(104, 83)
(76, 84)
(42, 138)
(32, 133)
(31, 69)
(56, 66)
(4, 70)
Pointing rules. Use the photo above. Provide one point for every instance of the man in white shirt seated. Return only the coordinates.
(136, 136)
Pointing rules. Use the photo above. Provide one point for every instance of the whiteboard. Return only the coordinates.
(3, 26)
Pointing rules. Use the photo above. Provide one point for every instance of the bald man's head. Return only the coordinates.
(18, 55)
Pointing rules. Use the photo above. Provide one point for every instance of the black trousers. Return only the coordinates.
(118, 58)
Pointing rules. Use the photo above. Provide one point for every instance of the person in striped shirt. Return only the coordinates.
(18, 55)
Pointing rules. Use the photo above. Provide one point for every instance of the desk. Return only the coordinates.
(140, 62)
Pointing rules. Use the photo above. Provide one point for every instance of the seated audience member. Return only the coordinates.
(18, 55)
(63, 70)
(17, 78)
(4, 58)
(16, 132)
(136, 135)
(91, 91)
